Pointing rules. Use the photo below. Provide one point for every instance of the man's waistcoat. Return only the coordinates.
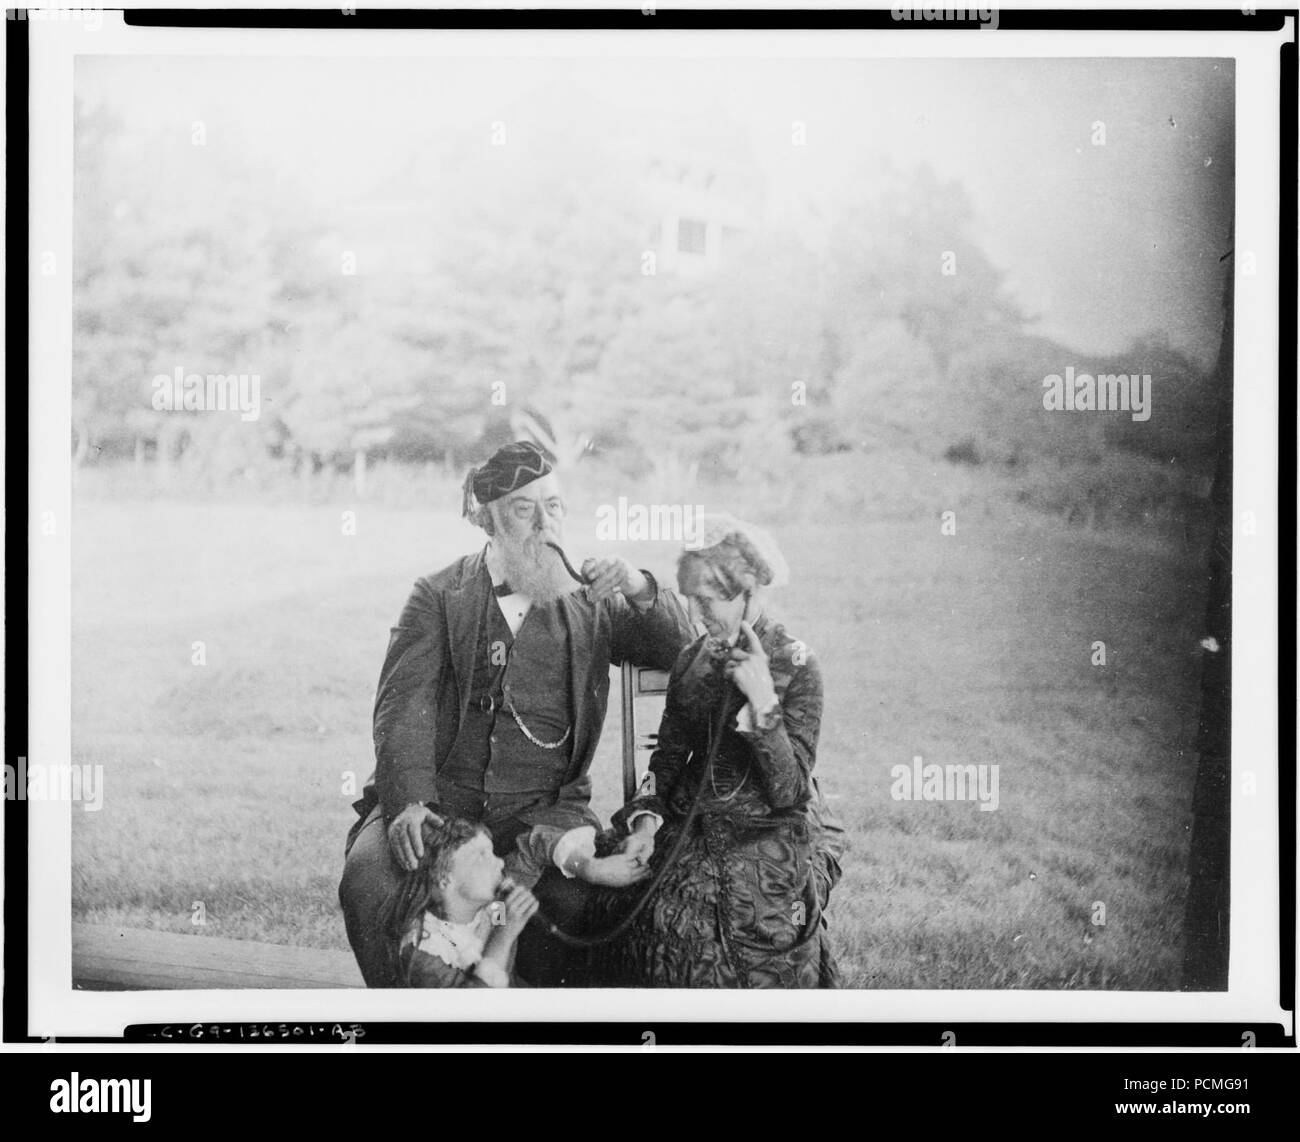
(522, 678)
(428, 677)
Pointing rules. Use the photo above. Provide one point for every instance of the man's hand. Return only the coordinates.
(605, 576)
(404, 835)
(749, 670)
(617, 871)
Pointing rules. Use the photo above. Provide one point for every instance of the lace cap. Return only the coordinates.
(713, 528)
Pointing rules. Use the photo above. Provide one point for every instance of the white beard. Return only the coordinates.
(533, 569)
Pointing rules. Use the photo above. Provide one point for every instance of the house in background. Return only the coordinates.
(692, 173)
(698, 175)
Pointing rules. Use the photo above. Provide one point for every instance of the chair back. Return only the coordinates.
(637, 682)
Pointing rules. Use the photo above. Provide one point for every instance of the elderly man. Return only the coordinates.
(490, 705)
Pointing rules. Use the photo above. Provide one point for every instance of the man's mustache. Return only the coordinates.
(538, 550)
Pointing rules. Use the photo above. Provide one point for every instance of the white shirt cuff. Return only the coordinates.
(576, 842)
(747, 721)
(635, 817)
(494, 975)
(646, 604)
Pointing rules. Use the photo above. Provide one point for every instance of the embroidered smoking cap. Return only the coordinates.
(754, 545)
(510, 467)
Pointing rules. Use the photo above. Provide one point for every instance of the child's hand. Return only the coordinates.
(521, 906)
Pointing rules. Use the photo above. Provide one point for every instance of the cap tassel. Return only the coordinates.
(469, 503)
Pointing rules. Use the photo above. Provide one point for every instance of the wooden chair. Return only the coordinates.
(637, 682)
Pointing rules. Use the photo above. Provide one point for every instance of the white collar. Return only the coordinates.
(457, 945)
(517, 597)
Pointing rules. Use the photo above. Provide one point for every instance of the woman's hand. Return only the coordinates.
(639, 844)
(749, 670)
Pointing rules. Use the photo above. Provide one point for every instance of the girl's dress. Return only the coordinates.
(440, 953)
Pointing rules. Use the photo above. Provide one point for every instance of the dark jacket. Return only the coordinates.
(424, 687)
(742, 891)
(784, 756)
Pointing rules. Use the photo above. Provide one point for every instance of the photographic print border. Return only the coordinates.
(36, 945)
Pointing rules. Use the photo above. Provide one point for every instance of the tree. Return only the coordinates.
(174, 250)
(907, 292)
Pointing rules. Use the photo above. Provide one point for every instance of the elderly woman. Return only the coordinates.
(740, 903)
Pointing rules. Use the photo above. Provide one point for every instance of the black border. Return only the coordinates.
(1288, 172)
(932, 1034)
(362, 1092)
(1117, 1035)
(18, 490)
(831, 19)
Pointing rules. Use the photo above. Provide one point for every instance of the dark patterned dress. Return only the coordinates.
(742, 904)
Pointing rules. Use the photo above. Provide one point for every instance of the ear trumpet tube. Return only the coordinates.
(725, 709)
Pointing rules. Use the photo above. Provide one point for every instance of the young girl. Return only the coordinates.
(456, 919)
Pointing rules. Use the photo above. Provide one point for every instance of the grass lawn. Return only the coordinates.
(230, 783)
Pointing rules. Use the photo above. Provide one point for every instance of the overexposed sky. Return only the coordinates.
(1103, 242)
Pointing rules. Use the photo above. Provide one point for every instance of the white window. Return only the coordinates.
(692, 236)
